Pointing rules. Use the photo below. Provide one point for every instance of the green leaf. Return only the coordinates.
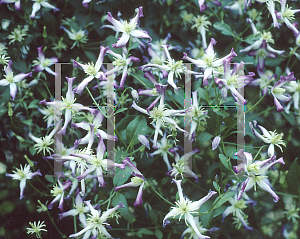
(159, 234)
(91, 56)
(123, 211)
(33, 104)
(135, 127)
(289, 117)
(226, 162)
(120, 110)
(220, 112)
(146, 231)
(223, 198)
(134, 45)
(27, 122)
(121, 176)
(293, 178)
(224, 28)
(204, 136)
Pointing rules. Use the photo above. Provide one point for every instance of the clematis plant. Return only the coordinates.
(256, 172)
(127, 29)
(269, 137)
(38, 4)
(23, 174)
(11, 80)
(93, 71)
(161, 116)
(137, 180)
(277, 91)
(43, 63)
(96, 221)
(208, 62)
(69, 105)
(185, 208)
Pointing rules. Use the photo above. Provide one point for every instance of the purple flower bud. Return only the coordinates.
(144, 141)
(216, 142)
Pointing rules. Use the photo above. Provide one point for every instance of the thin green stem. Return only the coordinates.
(160, 195)
(196, 185)
(37, 189)
(256, 103)
(63, 236)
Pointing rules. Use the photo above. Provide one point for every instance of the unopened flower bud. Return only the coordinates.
(44, 32)
(135, 95)
(10, 110)
(144, 140)
(224, 93)
(216, 142)
(29, 161)
(32, 83)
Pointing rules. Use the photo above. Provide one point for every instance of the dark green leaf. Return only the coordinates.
(123, 211)
(224, 28)
(293, 178)
(135, 127)
(159, 234)
(223, 198)
(226, 162)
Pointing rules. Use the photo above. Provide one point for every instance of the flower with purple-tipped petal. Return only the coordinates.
(127, 29)
(69, 105)
(16, 2)
(96, 163)
(181, 165)
(201, 229)
(121, 64)
(11, 80)
(43, 143)
(96, 222)
(58, 192)
(209, 61)
(161, 116)
(93, 71)
(79, 209)
(43, 63)
(37, 6)
(278, 92)
(234, 79)
(163, 149)
(287, 14)
(172, 67)
(185, 208)
(265, 35)
(255, 172)
(85, 3)
(266, 77)
(236, 209)
(197, 115)
(137, 180)
(23, 174)
(269, 137)
(97, 123)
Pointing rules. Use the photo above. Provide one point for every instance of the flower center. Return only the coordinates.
(240, 204)
(80, 209)
(253, 169)
(267, 36)
(278, 90)
(97, 161)
(119, 62)
(208, 60)
(67, 104)
(56, 191)
(128, 27)
(276, 138)
(288, 13)
(90, 69)
(158, 112)
(137, 180)
(176, 66)
(21, 173)
(46, 63)
(9, 78)
(232, 80)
